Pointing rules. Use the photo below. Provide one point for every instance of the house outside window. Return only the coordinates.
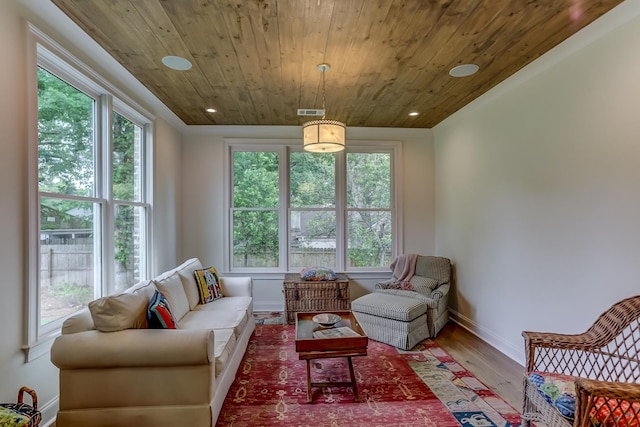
(90, 234)
(291, 209)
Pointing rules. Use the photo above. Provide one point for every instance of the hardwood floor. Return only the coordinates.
(499, 372)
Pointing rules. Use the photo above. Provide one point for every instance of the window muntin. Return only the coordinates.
(326, 215)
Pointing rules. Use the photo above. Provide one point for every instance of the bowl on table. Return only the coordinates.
(326, 319)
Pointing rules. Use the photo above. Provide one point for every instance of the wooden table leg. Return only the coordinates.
(353, 379)
(309, 381)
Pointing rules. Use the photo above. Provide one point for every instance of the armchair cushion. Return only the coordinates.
(402, 293)
(558, 390)
(424, 285)
(404, 285)
(614, 412)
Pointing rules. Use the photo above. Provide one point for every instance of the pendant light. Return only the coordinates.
(324, 136)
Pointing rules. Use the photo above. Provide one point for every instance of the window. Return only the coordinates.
(291, 209)
(90, 238)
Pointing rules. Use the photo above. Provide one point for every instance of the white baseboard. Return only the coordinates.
(268, 306)
(499, 343)
(49, 411)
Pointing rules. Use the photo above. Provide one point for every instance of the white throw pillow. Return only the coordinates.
(146, 288)
(186, 271)
(118, 312)
(171, 287)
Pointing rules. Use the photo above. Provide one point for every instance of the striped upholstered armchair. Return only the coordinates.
(404, 312)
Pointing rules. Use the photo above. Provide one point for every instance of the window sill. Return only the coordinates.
(39, 348)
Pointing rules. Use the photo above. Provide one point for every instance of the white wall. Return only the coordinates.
(167, 197)
(40, 374)
(203, 192)
(538, 189)
(13, 128)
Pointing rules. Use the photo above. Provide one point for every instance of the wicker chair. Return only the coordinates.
(604, 362)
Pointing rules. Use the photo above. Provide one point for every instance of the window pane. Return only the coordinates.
(369, 180)
(255, 179)
(369, 238)
(66, 257)
(255, 239)
(127, 155)
(65, 137)
(313, 239)
(313, 182)
(129, 241)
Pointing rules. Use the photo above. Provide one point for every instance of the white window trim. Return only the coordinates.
(283, 146)
(42, 50)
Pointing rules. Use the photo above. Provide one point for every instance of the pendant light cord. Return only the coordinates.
(324, 111)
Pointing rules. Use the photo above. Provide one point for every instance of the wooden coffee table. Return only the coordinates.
(309, 348)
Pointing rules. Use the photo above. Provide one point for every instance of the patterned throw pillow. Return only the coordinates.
(405, 286)
(614, 412)
(159, 315)
(208, 285)
(558, 390)
(424, 285)
(318, 274)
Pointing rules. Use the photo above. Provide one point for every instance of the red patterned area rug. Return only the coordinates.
(423, 387)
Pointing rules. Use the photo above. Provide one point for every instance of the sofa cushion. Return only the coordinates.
(186, 270)
(208, 285)
(224, 341)
(229, 304)
(117, 312)
(159, 314)
(146, 288)
(171, 287)
(235, 320)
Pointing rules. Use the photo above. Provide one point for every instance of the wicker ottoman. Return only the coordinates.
(305, 295)
(392, 319)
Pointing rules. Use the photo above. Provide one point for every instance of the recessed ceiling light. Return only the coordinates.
(414, 113)
(176, 63)
(210, 110)
(463, 70)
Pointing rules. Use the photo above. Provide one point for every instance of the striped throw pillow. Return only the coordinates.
(159, 315)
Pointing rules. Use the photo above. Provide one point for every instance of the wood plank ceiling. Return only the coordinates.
(255, 61)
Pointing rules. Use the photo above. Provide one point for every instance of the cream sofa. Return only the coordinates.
(154, 377)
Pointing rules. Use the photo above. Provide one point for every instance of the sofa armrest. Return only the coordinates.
(237, 286)
(134, 347)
